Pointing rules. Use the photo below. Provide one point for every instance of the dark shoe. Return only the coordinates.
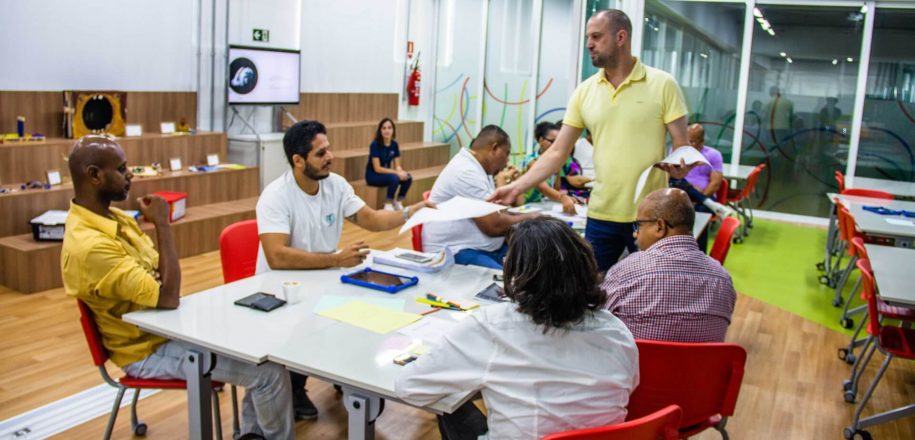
(304, 409)
(338, 389)
(249, 436)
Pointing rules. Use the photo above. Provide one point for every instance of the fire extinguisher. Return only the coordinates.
(413, 84)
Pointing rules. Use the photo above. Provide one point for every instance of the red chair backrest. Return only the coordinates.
(841, 213)
(238, 244)
(723, 239)
(870, 295)
(417, 230)
(722, 195)
(858, 244)
(703, 379)
(99, 354)
(660, 425)
(872, 193)
(840, 180)
(752, 178)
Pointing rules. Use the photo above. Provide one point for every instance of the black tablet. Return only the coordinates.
(262, 301)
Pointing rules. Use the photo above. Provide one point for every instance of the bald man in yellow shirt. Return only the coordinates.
(629, 108)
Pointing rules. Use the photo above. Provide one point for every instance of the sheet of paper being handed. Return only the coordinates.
(684, 155)
(458, 208)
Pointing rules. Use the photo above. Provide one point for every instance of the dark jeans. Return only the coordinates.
(465, 423)
(697, 198)
(608, 239)
(391, 181)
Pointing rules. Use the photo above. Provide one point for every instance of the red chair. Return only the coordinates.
(721, 196)
(417, 231)
(661, 425)
(891, 340)
(100, 356)
(872, 193)
(741, 202)
(840, 180)
(702, 379)
(238, 244)
(723, 239)
(847, 233)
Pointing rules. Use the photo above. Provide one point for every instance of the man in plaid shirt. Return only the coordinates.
(671, 290)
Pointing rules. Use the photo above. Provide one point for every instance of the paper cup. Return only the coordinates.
(292, 291)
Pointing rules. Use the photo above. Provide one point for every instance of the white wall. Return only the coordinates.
(98, 44)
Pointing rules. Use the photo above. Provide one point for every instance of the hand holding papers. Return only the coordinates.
(457, 208)
(687, 155)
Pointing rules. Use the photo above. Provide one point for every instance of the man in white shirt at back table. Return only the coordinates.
(300, 220)
(478, 241)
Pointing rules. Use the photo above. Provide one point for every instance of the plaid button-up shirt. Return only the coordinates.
(672, 292)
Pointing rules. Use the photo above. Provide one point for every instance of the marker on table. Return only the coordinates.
(437, 304)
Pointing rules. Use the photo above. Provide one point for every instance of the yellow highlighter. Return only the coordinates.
(436, 304)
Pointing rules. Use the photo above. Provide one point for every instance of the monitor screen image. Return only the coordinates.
(263, 76)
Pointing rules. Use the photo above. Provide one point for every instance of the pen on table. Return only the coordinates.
(436, 298)
(430, 311)
(437, 304)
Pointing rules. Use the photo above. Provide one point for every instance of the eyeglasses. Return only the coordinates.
(637, 222)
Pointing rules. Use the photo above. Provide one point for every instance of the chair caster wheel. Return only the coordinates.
(737, 240)
(850, 359)
(847, 322)
(843, 353)
(838, 303)
(821, 266)
(846, 385)
(139, 430)
(849, 434)
(824, 279)
(849, 397)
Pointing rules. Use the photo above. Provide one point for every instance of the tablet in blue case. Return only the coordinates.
(383, 281)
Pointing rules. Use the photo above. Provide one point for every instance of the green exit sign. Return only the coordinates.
(261, 35)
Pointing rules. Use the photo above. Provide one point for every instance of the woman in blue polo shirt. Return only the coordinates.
(384, 169)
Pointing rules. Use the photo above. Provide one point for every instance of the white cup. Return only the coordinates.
(292, 291)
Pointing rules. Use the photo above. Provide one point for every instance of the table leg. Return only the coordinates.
(363, 409)
(199, 404)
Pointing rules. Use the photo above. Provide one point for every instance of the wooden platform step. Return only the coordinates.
(202, 188)
(351, 163)
(24, 162)
(376, 196)
(32, 266)
(359, 135)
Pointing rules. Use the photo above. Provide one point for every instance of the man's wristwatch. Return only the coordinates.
(406, 213)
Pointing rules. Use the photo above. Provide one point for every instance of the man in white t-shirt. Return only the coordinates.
(479, 241)
(300, 219)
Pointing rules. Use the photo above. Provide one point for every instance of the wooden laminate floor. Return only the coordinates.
(792, 387)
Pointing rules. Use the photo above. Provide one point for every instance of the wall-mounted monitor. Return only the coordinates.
(260, 76)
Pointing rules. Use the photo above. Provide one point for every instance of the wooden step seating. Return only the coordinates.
(22, 162)
(376, 197)
(32, 266)
(359, 135)
(352, 163)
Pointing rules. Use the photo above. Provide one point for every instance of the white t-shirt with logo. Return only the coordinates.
(463, 176)
(314, 223)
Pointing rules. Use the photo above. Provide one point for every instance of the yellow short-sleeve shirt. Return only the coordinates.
(628, 126)
(110, 264)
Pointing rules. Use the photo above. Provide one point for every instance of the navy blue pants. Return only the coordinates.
(608, 239)
(391, 181)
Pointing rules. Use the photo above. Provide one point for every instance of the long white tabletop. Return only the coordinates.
(893, 273)
(895, 187)
(893, 226)
(296, 337)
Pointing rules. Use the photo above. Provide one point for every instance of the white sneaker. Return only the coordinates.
(388, 207)
(718, 209)
(398, 206)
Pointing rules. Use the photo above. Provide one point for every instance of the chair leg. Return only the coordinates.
(855, 342)
(870, 391)
(846, 313)
(720, 428)
(217, 416)
(843, 279)
(860, 364)
(139, 428)
(114, 412)
(236, 429)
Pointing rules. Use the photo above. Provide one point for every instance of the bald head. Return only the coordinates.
(674, 207)
(91, 151)
(696, 135)
(99, 169)
(617, 20)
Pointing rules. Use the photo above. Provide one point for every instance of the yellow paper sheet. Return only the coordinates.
(370, 317)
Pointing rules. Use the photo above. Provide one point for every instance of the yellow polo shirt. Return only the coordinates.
(109, 263)
(628, 126)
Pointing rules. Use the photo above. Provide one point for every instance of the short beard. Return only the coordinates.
(312, 173)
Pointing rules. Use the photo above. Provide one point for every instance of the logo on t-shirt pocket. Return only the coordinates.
(329, 219)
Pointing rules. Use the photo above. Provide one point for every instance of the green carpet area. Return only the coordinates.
(777, 264)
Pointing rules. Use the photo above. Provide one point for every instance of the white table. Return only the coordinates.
(893, 273)
(894, 187)
(876, 225)
(578, 222)
(739, 172)
(358, 360)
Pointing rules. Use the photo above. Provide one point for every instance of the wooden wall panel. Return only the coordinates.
(349, 136)
(44, 110)
(25, 162)
(28, 266)
(202, 188)
(345, 107)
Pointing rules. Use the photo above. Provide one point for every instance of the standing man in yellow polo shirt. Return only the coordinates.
(111, 265)
(629, 108)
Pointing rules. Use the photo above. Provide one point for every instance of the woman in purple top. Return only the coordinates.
(383, 167)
